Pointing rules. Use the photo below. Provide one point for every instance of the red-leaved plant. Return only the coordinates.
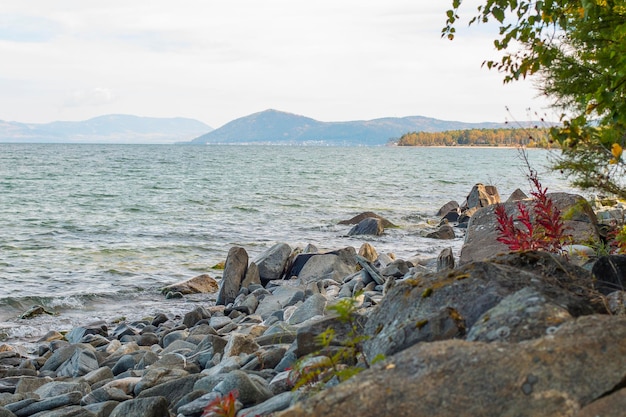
(543, 230)
(222, 406)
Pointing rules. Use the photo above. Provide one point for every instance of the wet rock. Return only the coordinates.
(368, 226)
(367, 215)
(446, 208)
(272, 262)
(444, 232)
(234, 273)
(78, 333)
(35, 311)
(200, 284)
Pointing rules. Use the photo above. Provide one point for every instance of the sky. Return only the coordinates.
(216, 61)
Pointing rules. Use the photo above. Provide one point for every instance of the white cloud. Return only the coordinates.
(217, 61)
(93, 97)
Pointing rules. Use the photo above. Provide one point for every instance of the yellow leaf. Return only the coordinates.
(616, 150)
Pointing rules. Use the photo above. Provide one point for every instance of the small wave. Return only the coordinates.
(245, 209)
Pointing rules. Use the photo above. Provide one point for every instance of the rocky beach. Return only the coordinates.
(487, 333)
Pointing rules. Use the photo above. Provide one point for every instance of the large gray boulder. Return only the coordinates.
(481, 236)
(556, 375)
(332, 265)
(234, 273)
(447, 304)
(368, 226)
(272, 262)
(72, 361)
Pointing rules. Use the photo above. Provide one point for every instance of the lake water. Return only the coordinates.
(93, 231)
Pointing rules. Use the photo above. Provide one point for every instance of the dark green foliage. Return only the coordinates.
(577, 48)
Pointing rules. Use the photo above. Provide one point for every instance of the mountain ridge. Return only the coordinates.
(278, 127)
(265, 127)
(110, 128)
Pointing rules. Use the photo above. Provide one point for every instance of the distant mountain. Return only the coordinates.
(273, 126)
(113, 128)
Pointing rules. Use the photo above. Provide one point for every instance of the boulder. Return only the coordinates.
(368, 226)
(234, 273)
(72, 361)
(252, 276)
(444, 232)
(174, 390)
(448, 207)
(481, 196)
(517, 195)
(313, 306)
(251, 390)
(240, 343)
(142, 407)
(445, 260)
(272, 262)
(368, 252)
(523, 315)
(326, 266)
(95, 328)
(366, 215)
(197, 285)
(195, 315)
(447, 304)
(556, 375)
(610, 273)
(481, 237)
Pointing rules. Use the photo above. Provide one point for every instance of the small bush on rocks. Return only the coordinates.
(341, 363)
(543, 229)
(225, 406)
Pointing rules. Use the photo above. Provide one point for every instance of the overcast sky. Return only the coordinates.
(215, 61)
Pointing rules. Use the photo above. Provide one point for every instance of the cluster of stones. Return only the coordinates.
(525, 334)
(263, 316)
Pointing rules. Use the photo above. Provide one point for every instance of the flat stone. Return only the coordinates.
(200, 284)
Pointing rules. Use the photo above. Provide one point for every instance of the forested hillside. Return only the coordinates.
(537, 137)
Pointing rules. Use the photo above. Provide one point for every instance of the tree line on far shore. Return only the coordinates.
(531, 138)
